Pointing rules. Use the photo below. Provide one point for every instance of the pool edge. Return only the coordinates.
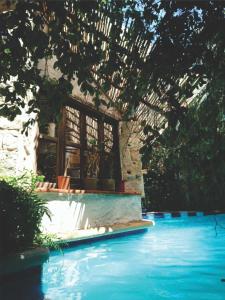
(116, 232)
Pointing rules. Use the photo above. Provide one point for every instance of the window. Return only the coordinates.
(86, 146)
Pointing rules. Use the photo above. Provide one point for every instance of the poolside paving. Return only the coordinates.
(104, 231)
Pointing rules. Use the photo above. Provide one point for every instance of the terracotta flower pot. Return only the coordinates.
(63, 182)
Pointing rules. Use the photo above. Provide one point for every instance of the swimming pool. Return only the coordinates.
(179, 258)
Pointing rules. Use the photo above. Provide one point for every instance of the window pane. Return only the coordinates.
(92, 132)
(72, 163)
(108, 137)
(72, 126)
(92, 156)
(108, 155)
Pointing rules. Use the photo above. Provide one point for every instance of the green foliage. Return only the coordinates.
(21, 212)
(53, 96)
(48, 240)
(26, 181)
(186, 163)
(163, 42)
(47, 163)
(165, 48)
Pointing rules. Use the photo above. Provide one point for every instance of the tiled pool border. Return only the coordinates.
(178, 214)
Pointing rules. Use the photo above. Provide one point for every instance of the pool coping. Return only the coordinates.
(82, 192)
(95, 234)
(28, 259)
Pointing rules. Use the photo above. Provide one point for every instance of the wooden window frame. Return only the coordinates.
(101, 118)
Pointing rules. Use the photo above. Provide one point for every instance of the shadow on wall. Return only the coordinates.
(90, 215)
(90, 212)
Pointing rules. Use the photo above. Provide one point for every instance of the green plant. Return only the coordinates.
(92, 161)
(47, 165)
(171, 39)
(21, 212)
(27, 180)
(48, 240)
(186, 163)
(92, 142)
(51, 103)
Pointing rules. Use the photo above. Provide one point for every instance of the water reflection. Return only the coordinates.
(70, 271)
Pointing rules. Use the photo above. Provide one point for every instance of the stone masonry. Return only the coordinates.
(130, 159)
(17, 151)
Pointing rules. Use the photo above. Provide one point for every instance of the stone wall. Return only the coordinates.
(76, 92)
(129, 143)
(130, 158)
(9, 132)
(17, 151)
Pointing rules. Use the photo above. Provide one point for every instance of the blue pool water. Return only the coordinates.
(179, 258)
(182, 258)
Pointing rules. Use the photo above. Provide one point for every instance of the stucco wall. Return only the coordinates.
(84, 211)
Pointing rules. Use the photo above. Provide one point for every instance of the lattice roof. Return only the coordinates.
(133, 50)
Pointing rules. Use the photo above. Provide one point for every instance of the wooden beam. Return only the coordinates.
(91, 110)
(153, 107)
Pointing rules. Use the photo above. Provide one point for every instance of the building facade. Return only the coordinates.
(95, 147)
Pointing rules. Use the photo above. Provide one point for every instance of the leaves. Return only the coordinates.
(186, 169)
(134, 48)
(21, 212)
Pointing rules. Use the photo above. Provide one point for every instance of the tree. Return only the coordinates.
(124, 53)
(187, 167)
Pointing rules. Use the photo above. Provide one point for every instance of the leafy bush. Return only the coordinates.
(186, 163)
(27, 180)
(21, 212)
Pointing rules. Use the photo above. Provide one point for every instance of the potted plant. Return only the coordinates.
(107, 182)
(47, 125)
(46, 163)
(92, 166)
(53, 96)
(48, 120)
